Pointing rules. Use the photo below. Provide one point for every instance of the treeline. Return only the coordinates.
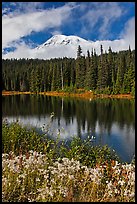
(110, 73)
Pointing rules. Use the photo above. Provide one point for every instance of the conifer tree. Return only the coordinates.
(115, 70)
(120, 74)
(91, 74)
(79, 51)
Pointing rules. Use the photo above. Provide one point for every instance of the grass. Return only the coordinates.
(80, 93)
(18, 139)
(36, 168)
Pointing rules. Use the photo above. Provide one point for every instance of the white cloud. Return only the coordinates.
(104, 13)
(128, 34)
(23, 7)
(22, 51)
(15, 27)
(5, 10)
(56, 32)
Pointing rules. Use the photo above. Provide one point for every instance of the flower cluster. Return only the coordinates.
(121, 184)
(31, 177)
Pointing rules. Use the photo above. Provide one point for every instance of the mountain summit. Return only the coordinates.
(65, 40)
(62, 46)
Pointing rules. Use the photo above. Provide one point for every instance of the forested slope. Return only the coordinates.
(112, 72)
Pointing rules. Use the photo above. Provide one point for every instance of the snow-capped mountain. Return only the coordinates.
(60, 46)
(65, 40)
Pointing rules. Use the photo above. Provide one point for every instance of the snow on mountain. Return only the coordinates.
(64, 40)
(60, 46)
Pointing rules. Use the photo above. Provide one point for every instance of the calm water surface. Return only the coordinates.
(110, 121)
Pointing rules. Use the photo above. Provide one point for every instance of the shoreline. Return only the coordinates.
(85, 95)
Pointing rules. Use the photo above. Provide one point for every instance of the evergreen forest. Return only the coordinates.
(109, 72)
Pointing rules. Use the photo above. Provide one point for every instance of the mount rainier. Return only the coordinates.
(60, 46)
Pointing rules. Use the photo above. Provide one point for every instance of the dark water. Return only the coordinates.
(110, 121)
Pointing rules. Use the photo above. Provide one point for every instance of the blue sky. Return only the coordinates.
(32, 23)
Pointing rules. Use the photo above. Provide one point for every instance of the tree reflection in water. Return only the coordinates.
(112, 121)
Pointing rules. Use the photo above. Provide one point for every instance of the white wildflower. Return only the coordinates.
(37, 179)
(71, 177)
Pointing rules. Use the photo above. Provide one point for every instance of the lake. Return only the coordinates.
(107, 121)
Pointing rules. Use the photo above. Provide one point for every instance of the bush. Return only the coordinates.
(31, 178)
(133, 91)
(106, 90)
(38, 169)
(18, 139)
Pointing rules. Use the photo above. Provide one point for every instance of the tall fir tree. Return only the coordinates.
(91, 74)
(120, 73)
(79, 51)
